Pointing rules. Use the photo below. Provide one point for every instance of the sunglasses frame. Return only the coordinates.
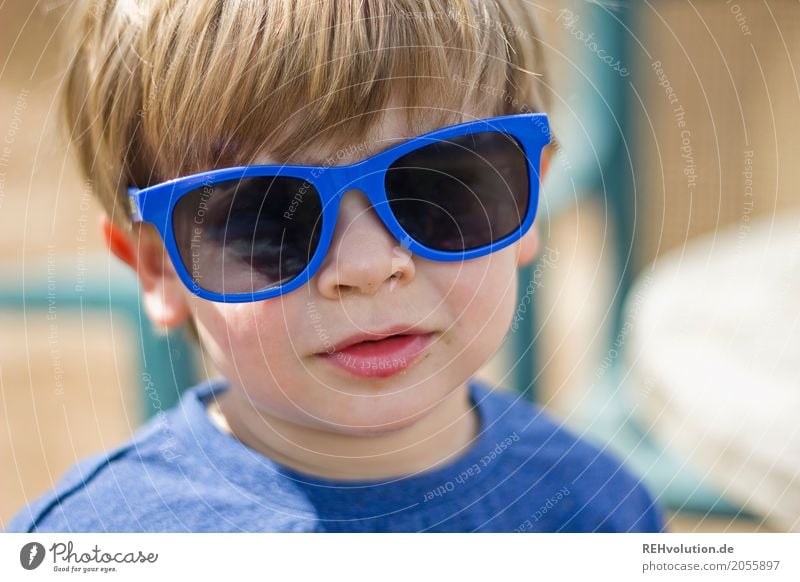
(155, 204)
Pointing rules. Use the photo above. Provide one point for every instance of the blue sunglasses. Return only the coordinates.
(256, 232)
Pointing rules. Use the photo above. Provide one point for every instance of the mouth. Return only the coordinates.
(378, 355)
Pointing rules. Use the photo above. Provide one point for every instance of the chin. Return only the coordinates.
(371, 424)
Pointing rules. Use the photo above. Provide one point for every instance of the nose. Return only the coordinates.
(363, 255)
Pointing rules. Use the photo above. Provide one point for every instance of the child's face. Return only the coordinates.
(277, 353)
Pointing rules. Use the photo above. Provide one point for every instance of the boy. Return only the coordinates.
(347, 283)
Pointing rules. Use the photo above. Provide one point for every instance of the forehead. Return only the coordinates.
(334, 149)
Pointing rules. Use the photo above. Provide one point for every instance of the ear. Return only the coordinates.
(143, 251)
(528, 247)
(529, 244)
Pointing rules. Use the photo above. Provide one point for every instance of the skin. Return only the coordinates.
(293, 406)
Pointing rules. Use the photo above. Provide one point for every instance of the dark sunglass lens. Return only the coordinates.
(462, 193)
(247, 235)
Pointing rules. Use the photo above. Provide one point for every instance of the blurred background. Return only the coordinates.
(660, 321)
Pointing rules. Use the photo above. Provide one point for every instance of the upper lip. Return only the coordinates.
(374, 336)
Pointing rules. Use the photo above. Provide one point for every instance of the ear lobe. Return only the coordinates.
(162, 291)
(165, 305)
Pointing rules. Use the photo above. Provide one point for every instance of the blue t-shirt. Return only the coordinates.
(180, 473)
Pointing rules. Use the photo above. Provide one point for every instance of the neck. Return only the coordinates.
(439, 437)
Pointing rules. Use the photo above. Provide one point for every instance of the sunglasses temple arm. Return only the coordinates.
(133, 203)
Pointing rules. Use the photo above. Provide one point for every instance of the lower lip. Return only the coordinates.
(380, 359)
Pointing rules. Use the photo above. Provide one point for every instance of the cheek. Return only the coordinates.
(242, 337)
(480, 296)
(250, 346)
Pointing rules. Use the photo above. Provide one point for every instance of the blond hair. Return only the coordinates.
(156, 89)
